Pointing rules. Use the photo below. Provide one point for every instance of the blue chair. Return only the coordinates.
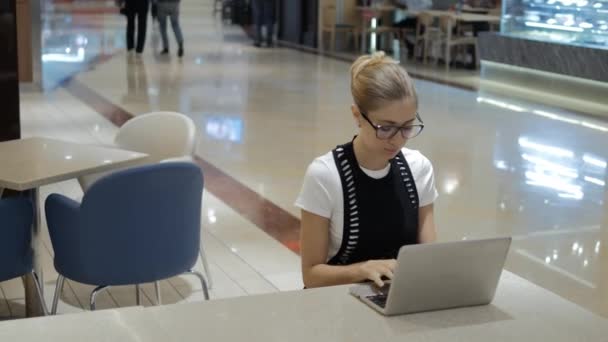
(16, 254)
(134, 226)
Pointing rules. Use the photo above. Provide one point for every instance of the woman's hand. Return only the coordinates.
(374, 270)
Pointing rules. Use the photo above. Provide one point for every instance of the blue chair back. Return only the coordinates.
(138, 225)
(16, 256)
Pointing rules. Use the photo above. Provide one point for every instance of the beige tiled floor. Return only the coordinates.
(503, 167)
(228, 239)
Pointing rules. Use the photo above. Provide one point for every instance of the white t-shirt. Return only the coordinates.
(322, 195)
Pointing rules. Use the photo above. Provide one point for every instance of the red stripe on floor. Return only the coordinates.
(275, 221)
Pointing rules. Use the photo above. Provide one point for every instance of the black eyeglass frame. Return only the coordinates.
(403, 129)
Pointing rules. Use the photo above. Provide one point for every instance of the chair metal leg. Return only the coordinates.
(137, 295)
(94, 294)
(448, 55)
(45, 310)
(203, 255)
(322, 40)
(157, 288)
(203, 282)
(425, 51)
(477, 63)
(58, 291)
(437, 49)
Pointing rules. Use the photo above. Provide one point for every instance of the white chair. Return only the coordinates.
(143, 134)
(449, 40)
(386, 29)
(330, 26)
(425, 35)
(165, 136)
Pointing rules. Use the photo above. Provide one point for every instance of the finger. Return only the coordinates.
(376, 278)
(389, 274)
(386, 272)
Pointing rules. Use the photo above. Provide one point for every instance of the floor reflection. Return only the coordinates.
(75, 34)
(503, 167)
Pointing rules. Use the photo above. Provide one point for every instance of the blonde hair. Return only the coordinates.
(377, 79)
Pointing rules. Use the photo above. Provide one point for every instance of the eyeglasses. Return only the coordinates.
(388, 132)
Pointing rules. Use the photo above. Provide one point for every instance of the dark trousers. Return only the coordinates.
(263, 14)
(408, 23)
(480, 27)
(137, 11)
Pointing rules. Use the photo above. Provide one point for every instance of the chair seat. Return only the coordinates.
(341, 28)
(16, 254)
(433, 35)
(16, 258)
(383, 29)
(463, 41)
(153, 231)
(345, 26)
(134, 226)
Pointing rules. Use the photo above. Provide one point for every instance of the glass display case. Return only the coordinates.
(575, 22)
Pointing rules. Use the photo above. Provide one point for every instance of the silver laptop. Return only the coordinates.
(439, 276)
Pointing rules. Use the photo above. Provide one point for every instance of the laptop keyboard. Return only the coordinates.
(379, 299)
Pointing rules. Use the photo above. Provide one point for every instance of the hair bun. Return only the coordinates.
(375, 59)
(378, 79)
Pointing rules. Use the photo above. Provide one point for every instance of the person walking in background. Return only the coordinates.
(170, 9)
(135, 9)
(411, 22)
(263, 15)
(154, 11)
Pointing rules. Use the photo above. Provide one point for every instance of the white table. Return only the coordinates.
(116, 325)
(28, 164)
(461, 17)
(479, 10)
(464, 17)
(521, 311)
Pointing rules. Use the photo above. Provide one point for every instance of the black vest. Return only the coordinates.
(380, 215)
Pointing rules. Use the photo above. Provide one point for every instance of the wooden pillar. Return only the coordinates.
(24, 41)
(9, 81)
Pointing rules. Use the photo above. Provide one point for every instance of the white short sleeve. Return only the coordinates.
(318, 190)
(422, 170)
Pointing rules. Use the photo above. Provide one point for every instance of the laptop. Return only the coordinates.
(439, 276)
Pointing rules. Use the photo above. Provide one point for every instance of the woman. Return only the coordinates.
(263, 13)
(170, 9)
(135, 9)
(365, 199)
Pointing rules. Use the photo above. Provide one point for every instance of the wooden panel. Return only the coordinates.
(9, 87)
(351, 15)
(24, 41)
